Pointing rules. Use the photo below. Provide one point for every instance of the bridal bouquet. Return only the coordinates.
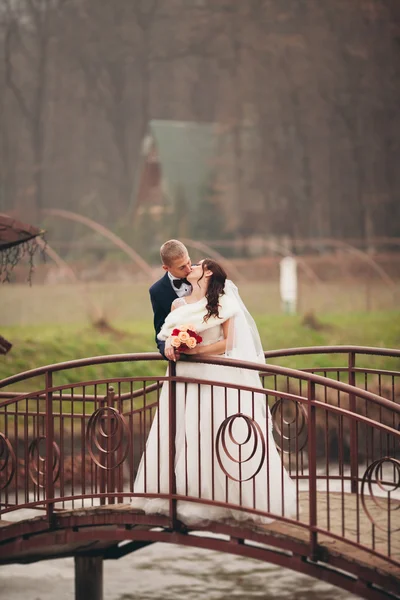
(185, 337)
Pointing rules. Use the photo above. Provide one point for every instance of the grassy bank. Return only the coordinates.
(35, 346)
(128, 302)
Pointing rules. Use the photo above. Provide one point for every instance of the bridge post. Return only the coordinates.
(107, 475)
(49, 479)
(312, 470)
(110, 451)
(102, 460)
(119, 483)
(172, 434)
(88, 577)
(353, 427)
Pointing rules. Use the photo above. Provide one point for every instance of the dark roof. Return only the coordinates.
(5, 345)
(13, 232)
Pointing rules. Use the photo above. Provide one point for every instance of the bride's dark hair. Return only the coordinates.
(216, 284)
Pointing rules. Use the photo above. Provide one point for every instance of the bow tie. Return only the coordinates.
(178, 282)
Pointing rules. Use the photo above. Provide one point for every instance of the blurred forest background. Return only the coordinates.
(307, 90)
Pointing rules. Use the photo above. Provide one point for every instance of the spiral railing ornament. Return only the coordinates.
(374, 475)
(289, 419)
(253, 440)
(37, 462)
(7, 462)
(107, 437)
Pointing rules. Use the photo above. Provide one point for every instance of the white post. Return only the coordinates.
(288, 284)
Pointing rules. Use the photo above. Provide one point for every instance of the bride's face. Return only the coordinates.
(196, 273)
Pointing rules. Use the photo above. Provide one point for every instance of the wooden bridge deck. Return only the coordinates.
(98, 530)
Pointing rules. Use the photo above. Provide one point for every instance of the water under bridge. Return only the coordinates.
(69, 454)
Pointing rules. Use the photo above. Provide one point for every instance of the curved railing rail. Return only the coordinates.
(81, 443)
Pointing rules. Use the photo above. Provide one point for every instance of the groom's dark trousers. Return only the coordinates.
(162, 296)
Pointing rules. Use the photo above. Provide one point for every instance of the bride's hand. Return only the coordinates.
(171, 353)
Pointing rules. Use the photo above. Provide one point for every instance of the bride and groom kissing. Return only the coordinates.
(226, 463)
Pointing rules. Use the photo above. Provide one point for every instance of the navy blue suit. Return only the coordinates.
(162, 296)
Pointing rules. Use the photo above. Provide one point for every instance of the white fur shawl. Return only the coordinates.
(193, 314)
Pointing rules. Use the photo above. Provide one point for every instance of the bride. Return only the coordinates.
(225, 453)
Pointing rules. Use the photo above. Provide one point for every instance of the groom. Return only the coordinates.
(177, 264)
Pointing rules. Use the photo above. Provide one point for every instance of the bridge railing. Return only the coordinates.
(382, 381)
(80, 444)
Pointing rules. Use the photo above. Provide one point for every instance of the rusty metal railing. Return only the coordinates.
(386, 383)
(81, 443)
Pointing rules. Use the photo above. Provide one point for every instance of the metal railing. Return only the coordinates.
(81, 443)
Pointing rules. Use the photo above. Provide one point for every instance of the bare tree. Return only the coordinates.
(27, 53)
(307, 90)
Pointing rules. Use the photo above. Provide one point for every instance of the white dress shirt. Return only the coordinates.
(184, 290)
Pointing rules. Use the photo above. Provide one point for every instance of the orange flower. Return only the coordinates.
(191, 342)
(175, 341)
(183, 336)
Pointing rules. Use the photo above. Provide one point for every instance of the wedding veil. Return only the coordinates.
(243, 341)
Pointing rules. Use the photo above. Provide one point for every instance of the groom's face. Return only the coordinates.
(180, 267)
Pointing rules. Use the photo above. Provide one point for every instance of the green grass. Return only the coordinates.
(378, 329)
(38, 345)
(51, 323)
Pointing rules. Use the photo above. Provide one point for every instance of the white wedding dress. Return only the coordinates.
(219, 457)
